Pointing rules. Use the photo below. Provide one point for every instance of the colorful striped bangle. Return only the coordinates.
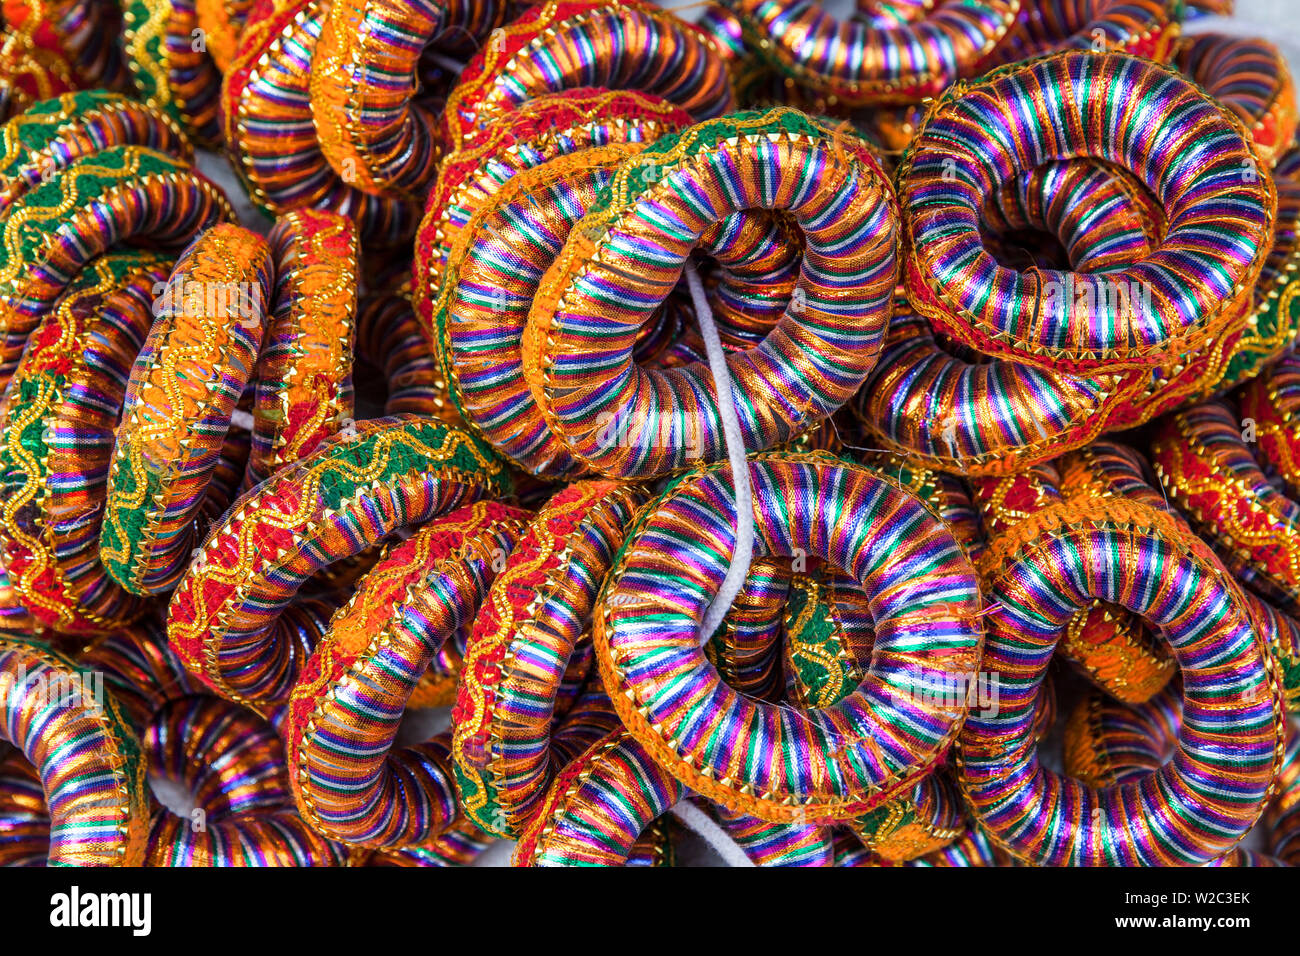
(1209, 473)
(947, 495)
(24, 821)
(116, 195)
(1249, 77)
(42, 141)
(169, 63)
(626, 254)
(567, 44)
(1107, 644)
(184, 386)
(1145, 28)
(350, 493)
(304, 370)
(231, 764)
(535, 132)
(88, 759)
(490, 282)
(973, 849)
(57, 420)
(522, 645)
(269, 129)
(977, 416)
(348, 779)
(1107, 742)
(364, 78)
(1194, 154)
(598, 806)
(887, 58)
(810, 766)
(1191, 810)
(939, 407)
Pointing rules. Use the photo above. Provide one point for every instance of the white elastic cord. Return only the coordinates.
(700, 823)
(241, 419)
(738, 569)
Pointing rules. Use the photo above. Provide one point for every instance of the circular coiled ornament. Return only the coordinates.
(1201, 803)
(533, 133)
(877, 60)
(839, 761)
(508, 710)
(355, 489)
(118, 194)
(87, 757)
(1194, 155)
(270, 134)
(198, 359)
(304, 371)
(1209, 473)
(49, 135)
(570, 44)
(598, 806)
(1145, 28)
(578, 345)
(57, 422)
(167, 55)
(364, 77)
(349, 779)
(1249, 77)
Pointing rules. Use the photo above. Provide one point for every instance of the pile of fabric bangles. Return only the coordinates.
(990, 556)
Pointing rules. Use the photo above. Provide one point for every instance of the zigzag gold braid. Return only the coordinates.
(137, 49)
(1282, 457)
(1283, 334)
(180, 425)
(314, 307)
(308, 507)
(622, 197)
(499, 595)
(1226, 526)
(11, 140)
(384, 597)
(15, 263)
(33, 490)
(36, 487)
